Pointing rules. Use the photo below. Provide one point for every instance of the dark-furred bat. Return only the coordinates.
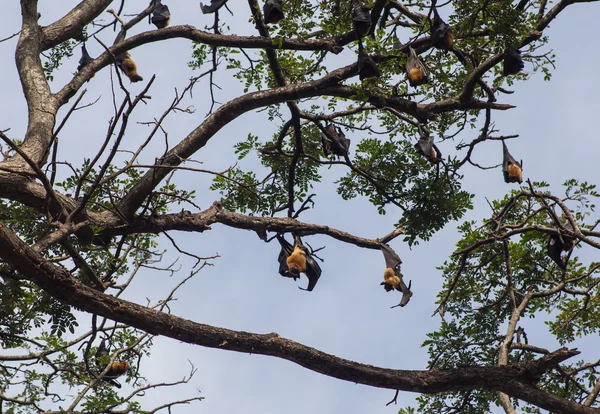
(334, 141)
(513, 63)
(296, 259)
(361, 19)
(441, 33)
(212, 7)
(416, 71)
(428, 149)
(116, 369)
(392, 277)
(366, 65)
(161, 16)
(273, 11)
(512, 170)
(85, 59)
(558, 243)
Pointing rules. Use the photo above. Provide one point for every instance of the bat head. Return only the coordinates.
(294, 271)
(387, 286)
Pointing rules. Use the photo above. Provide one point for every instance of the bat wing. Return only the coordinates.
(273, 11)
(102, 350)
(424, 145)
(507, 160)
(85, 58)
(213, 7)
(313, 272)
(286, 251)
(392, 260)
(327, 139)
(406, 293)
(554, 250)
(366, 66)
(342, 143)
(161, 15)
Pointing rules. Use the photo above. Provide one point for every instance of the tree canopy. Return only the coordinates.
(352, 127)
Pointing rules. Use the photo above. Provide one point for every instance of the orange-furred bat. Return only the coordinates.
(428, 149)
(558, 243)
(512, 170)
(416, 71)
(128, 66)
(366, 65)
(296, 259)
(273, 11)
(441, 33)
(161, 16)
(361, 19)
(392, 277)
(116, 369)
(513, 63)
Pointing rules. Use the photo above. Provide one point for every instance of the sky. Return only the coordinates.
(348, 313)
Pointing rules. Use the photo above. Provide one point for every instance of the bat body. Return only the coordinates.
(558, 243)
(273, 11)
(213, 6)
(361, 19)
(512, 170)
(334, 141)
(513, 63)
(392, 277)
(128, 66)
(85, 59)
(428, 149)
(296, 259)
(366, 65)
(116, 369)
(416, 71)
(441, 33)
(161, 15)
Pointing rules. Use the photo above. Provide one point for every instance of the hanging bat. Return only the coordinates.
(361, 19)
(273, 11)
(441, 33)
(416, 71)
(513, 63)
(213, 7)
(161, 15)
(428, 149)
(512, 170)
(392, 277)
(558, 243)
(334, 141)
(116, 369)
(85, 60)
(125, 62)
(366, 66)
(296, 259)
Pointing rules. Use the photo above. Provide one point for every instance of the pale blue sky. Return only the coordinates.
(348, 313)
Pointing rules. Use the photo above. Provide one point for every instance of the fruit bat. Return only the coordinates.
(416, 71)
(558, 243)
(296, 259)
(85, 59)
(392, 277)
(213, 7)
(512, 62)
(334, 141)
(116, 369)
(366, 66)
(513, 171)
(126, 62)
(441, 33)
(361, 19)
(428, 149)
(273, 11)
(161, 15)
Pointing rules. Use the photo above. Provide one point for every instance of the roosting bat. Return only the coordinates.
(512, 170)
(213, 6)
(558, 243)
(334, 141)
(296, 259)
(361, 19)
(117, 368)
(85, 59)
(126, 62)
(441, 33)
(416, 71)
(273, 11)
(366, 66)
(512, 62)
(392, 277)
(428, 149)
(161, 15)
